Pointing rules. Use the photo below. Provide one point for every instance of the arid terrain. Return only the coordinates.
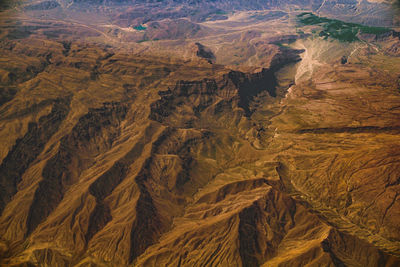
(199, 133)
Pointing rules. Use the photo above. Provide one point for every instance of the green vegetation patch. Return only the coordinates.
(221, 12)
(337, 29)
(140, 28)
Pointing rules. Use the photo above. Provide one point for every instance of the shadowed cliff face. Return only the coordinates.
(215, 96)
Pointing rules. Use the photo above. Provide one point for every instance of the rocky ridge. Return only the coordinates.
(148, 173)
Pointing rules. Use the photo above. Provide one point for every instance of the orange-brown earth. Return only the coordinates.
(114, 158)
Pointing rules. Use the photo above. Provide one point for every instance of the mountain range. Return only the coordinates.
(199, 133)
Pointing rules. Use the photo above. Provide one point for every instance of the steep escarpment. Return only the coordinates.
(191, 99)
